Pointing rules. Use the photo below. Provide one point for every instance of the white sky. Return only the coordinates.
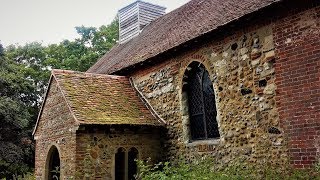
(51, 21)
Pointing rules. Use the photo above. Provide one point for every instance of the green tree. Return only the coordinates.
(99, 40)
(16, 109)
(83, 52)
(31, 57)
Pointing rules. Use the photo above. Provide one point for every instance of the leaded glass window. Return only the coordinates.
(201, 102)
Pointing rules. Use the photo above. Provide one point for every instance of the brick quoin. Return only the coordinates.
(297, 44)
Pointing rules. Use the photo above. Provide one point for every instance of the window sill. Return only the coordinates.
(203, 142)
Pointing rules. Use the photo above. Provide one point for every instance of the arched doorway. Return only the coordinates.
(132, 165)
(53, 164)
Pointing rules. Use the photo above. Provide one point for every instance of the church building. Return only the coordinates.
(235, 80)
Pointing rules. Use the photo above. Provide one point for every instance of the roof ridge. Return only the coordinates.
(87, 74)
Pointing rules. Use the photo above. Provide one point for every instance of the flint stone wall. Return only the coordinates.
(96, 150)
(242, 71)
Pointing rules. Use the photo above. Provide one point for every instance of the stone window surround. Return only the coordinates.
(184, 110)
(126, 151)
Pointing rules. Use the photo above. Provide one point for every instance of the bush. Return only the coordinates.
(28, 176)
(204, 169)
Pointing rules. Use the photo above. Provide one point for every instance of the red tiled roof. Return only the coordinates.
(103, 99)
(175, 28)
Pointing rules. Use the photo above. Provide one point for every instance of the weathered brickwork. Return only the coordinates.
(243, 75)
(96, 151)
(298, 83)
(56, 128)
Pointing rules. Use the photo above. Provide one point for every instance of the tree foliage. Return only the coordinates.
(24, 74)
(83, 52)
(31, 58)
(16, 113)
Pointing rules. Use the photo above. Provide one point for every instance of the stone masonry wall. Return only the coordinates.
(298, 83)
(56, 127)
(96, 149)
(241, 67)
(266, 81)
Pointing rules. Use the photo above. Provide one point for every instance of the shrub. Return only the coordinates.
(204, 169)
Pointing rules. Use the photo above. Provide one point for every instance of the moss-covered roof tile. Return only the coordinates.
(103, 99)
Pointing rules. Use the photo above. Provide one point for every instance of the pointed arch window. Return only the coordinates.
(125, 165)
(201, 103)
